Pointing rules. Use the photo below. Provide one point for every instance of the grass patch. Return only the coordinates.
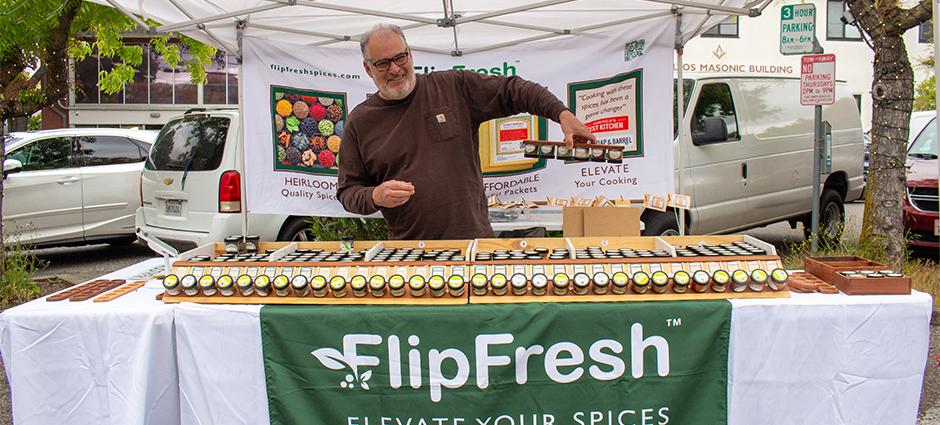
(16, 272)
(355, 228)
(923, 272)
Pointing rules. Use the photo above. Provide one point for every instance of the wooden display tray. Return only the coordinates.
(492, 244)
(86, 291)
(120, 291)
(687, 240)
(808, 283)
(273, 299)
(576, 144)
(630, 296)
(618, 242)
(828, 268)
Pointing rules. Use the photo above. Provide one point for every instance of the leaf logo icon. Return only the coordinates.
(331, 358)
(334, 360)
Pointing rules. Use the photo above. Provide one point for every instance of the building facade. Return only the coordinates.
(751, 46)
(159, 92)
(743, 46)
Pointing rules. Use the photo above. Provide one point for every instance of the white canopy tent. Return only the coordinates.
(431, 26)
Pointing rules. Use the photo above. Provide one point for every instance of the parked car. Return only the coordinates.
(920, 206)
(919, 121)
(192, 186)
(748, 157)
(73, 186)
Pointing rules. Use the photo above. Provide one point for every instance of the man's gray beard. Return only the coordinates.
(405, 91)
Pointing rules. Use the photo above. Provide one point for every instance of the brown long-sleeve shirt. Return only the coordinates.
(430, 139)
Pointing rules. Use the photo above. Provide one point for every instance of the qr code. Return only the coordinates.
(633, 49)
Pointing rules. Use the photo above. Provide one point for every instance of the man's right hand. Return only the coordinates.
(392, 193)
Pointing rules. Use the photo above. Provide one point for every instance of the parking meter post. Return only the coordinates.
(817, 156)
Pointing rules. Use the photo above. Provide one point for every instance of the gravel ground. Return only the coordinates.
(76, 265)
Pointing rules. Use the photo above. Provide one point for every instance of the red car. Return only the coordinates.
(920, 206)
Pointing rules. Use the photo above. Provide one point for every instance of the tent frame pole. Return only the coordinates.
(240, 26)
(680, 117)
(202, 27)
(193, 22)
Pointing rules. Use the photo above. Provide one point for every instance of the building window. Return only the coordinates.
(925, 32)
(858, 102)
(221, 85)
(726, 28)
(835, 28)
(157, 83)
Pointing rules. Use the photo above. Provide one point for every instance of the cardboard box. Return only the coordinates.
(601, 221)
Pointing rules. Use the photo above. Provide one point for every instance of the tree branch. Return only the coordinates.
(898, 20)
(869, 20)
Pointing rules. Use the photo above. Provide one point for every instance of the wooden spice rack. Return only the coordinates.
(469, 248)
(828, 268)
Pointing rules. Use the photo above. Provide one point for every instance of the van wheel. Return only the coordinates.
(295, 229)
(831, 218)
(661, 224)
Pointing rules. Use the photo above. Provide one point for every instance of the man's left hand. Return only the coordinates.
(574, 129)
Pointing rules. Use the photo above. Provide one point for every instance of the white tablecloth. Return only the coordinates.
(93, 363)
(809, 359)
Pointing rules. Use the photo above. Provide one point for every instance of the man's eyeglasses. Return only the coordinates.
(400, 59)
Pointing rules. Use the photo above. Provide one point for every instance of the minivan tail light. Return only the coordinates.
(230, 192)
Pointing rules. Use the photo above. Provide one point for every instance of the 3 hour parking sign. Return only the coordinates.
(797, 29)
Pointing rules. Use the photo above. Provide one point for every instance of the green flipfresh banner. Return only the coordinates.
(525, 364)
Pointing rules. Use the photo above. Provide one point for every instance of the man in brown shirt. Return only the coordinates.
(411, 150)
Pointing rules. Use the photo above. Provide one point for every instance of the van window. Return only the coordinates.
(687, 86)
(189, 144)
(108, 150)
(714, 101)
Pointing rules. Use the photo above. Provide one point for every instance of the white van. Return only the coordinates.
(191, 185)
(747, 157)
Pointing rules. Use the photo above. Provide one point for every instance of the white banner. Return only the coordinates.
(296, 99)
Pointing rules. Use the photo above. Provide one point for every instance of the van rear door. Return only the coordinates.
(180, 182)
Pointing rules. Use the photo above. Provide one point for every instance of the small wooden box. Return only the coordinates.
(828, 268)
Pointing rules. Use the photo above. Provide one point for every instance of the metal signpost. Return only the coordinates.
(817, 87)
(817, 82)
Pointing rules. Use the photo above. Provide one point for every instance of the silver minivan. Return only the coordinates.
(73, 186)
(747, 156)
(192, 186)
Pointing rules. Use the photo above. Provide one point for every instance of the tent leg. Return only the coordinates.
(239, 35)
(680, 117)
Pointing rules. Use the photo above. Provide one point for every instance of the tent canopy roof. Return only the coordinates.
(433, 26)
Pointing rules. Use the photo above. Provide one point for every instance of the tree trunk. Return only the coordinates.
(892, 93)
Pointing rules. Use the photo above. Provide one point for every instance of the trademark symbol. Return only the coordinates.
(672, 323)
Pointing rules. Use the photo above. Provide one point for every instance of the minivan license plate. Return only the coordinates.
(173, 207)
